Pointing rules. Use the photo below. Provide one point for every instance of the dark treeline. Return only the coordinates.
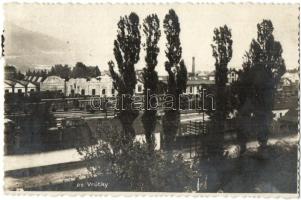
(12, 73)
(80, 70)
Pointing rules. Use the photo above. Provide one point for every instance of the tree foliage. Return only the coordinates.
(82, 71)
(63, 71)
(222, 52)
(262, 70)
(40, 73)
(177, 76)
(126, 52)
(151, 29)
(12, 73)
(132, 167)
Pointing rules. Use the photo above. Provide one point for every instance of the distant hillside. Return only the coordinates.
(25, 48)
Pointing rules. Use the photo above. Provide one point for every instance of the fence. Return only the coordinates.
(193, 135)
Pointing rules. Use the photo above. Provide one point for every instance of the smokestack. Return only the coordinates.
(193, 66)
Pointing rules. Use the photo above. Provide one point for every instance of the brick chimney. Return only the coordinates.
(193, 67)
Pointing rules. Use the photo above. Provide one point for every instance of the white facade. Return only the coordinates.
(19, 88)
(31, 87)
(8, 87)
(53, 83)
(107, 88)
(211, 78)
(139, 87)
(232, 76)
(76, 86)
(193, 89)
(100, 86)
(195, 84)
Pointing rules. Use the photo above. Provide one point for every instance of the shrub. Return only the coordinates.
(132, 167)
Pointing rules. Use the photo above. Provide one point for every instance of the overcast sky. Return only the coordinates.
(90, 30)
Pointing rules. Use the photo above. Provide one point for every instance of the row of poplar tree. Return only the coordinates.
(261, 72)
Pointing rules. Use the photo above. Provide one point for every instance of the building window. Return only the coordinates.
(83, 92)
(190, 89)
(19, 91)
(103, 91)
(93, 92)
(113, 91)
(72, 92)
(6, 91)
(139, 88)
(31, 90)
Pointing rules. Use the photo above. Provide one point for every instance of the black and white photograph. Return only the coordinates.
(151, 98)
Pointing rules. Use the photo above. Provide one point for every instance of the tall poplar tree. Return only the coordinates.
(222, 52)
(151, 29)
(262, 70)
(126, 52)
(177, 78)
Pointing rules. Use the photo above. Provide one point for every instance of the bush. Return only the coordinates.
(133, 167)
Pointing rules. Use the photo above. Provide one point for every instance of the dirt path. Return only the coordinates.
(44, 179)
(16, 162)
